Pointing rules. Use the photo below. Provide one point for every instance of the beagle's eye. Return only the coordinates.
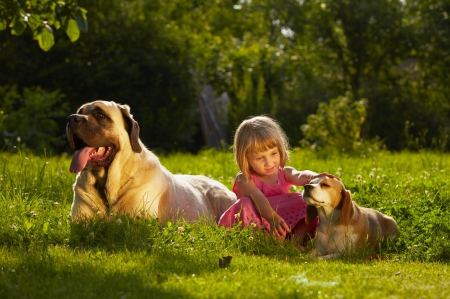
(325, 185)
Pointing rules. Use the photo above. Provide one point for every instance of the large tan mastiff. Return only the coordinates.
(117, 174)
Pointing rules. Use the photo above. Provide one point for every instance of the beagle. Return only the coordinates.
(343, 225)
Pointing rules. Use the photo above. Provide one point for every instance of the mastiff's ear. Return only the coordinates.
(132, 128)
(81, 109)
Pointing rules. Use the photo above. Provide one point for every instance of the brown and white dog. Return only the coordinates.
(116, 174)
(343, 225)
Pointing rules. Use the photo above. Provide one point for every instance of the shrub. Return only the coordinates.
(31, 119)
(337, 124)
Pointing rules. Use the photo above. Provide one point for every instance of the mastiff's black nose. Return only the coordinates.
(74, 119)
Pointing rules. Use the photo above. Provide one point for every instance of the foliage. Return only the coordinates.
(42, 17)
(281, 58)
(130, 57)
(337, 124)
(30, 120)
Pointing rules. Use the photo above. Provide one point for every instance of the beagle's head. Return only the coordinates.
(324, 192)
(327, 192)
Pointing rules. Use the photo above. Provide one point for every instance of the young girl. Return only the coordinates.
(264, 182)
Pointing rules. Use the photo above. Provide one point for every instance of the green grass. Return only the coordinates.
(44, 255)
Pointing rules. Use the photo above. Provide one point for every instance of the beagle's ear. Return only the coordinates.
(347, 208)
(311, 214)
(132, 128)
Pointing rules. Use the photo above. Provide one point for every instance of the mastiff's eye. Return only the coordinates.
(100, 114)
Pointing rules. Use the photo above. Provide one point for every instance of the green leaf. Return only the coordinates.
(49, 28)
(18, 26)
(45, 39)
(34, 21)
(80, 17)
(57, 25)
(72, 30)
(2, 25)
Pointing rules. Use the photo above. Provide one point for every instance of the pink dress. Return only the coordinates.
(290, 206)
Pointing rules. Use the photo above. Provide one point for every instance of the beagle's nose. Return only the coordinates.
(309, 187)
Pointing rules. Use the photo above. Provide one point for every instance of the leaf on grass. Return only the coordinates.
(45, 227)
(161, 278)
(72, 30)
(28, 225)
(225, 261)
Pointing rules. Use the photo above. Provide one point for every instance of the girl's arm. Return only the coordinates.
(279, 228)
(301, 178)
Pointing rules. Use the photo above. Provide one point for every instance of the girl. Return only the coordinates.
(263, 184)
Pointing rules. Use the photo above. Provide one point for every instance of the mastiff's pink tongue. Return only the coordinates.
(80, 159)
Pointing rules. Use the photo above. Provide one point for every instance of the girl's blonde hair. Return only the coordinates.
(258, 134)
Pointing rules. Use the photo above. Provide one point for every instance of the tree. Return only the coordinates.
(129, 55)
(277, 57)
(42, 17)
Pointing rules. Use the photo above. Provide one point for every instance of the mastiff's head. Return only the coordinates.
(98, 132)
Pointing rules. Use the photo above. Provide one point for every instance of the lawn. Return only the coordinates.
(44, 255)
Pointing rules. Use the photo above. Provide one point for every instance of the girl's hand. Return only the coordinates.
(324, 174)
(278, 227)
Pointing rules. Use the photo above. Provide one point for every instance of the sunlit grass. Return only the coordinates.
(45, 256)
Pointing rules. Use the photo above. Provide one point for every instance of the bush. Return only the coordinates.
(31, 120)
(337, 124)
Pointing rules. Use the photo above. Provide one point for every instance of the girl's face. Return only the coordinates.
(266, 163)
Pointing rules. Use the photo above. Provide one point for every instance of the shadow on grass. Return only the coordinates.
(186, 240)
(63, 274)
